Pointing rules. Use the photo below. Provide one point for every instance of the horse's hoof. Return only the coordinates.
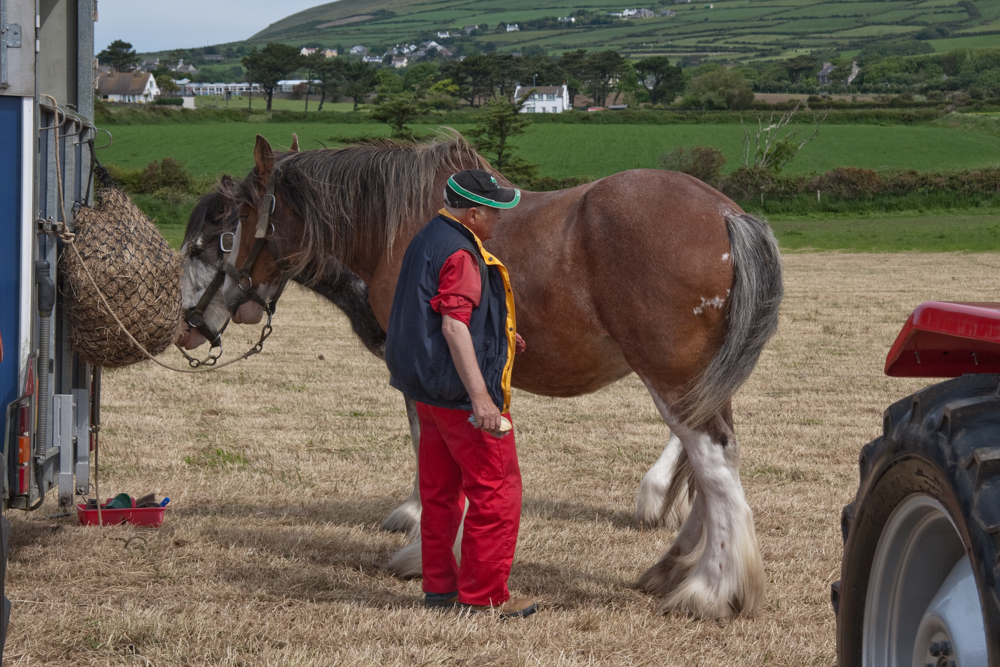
(406, 564)
(403, 518)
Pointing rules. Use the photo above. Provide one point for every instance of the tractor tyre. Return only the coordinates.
(920, 576)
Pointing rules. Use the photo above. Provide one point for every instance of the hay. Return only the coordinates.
(138, 274)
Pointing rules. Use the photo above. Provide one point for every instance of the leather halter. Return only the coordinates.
(264, 237)
(195, 316)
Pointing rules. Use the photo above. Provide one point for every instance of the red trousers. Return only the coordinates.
(459, 459)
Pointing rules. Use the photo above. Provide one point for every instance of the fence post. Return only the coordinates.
(817, 196)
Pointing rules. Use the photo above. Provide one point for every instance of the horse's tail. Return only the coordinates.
(751, 317)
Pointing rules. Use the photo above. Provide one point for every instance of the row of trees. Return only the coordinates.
(475, 79)
(598, 74)
(331, 77)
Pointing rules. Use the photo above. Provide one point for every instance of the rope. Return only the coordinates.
(69, 237)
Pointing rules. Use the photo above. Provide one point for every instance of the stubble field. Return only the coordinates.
(281, 468)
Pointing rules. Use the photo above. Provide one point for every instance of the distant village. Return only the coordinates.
(137, 88)
(183, 79)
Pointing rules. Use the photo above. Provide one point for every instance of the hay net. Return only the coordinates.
(133, 267)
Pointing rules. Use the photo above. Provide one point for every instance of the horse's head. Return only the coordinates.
(207, 240)
(256, 270)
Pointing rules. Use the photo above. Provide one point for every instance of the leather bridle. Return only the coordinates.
(264, 237)
(195, 315)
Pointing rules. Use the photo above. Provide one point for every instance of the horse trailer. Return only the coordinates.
(47, 135)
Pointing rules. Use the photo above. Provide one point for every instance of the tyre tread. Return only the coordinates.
(954, 426)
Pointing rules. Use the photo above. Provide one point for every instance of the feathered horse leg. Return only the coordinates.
(667, 490)
(406, 517)
(714, 568)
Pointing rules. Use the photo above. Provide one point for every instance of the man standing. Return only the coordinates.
(450, 347)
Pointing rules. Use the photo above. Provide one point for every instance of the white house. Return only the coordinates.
(307, 51)
(372, 59)
(544, 99)
(358, 50)
(444, 34)
(633, 14)
(513, 27)
(133, 87)
(399, 62)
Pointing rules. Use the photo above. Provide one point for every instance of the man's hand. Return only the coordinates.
(519, 344)
(487, 415)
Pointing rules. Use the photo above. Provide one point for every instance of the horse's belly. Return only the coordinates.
(573, 368)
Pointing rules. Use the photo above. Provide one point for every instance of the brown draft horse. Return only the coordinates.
(647, 271)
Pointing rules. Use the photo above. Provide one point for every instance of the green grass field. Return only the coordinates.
(938, 232)
(785, 25)
(572, 150)
(941, 232)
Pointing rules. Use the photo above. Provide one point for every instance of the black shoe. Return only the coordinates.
(440, 600)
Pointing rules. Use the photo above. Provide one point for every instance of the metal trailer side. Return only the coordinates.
(47, 75)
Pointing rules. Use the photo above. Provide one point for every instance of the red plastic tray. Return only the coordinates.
(137, 516)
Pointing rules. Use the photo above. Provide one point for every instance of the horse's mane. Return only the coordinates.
(220, 204)
(355, 198)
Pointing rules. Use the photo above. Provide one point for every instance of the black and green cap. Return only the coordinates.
(475, 187)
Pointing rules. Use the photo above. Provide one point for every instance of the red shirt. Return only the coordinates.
(459, 287)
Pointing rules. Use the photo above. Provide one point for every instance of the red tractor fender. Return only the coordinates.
(943, 339)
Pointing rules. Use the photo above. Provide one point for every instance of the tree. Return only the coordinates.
(770, 151)
(119, 56)
(474, 77)
(603, 69)
(574, 63)
(663, 80)
(499, 121)
(842, 72)
(360, 81)
(330, 73)
(167, 85)
(310, 64)
(442, 94)
(632, 92)
(799, 66)
(542, 71)
(397, 109)
(271, 64)
(507, 71)
(722, 89)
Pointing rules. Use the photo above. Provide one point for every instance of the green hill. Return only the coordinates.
(729, 29)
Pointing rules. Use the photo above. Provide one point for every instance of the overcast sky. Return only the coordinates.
(155, 25)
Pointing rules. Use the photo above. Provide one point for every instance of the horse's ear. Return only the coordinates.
(227, 181)
(295, 143)
(264, 158)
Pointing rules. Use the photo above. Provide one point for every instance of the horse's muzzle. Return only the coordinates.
(249, 312)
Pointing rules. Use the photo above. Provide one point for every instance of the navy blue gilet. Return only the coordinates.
(416, 350)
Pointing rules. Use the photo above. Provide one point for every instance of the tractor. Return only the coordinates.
(920, 576)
